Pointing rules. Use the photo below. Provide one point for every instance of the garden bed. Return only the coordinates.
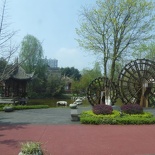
(88, 117)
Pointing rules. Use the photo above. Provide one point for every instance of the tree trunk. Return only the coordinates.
(112, 70)
(105, 66)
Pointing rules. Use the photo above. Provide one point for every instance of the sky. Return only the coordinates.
(52, 22)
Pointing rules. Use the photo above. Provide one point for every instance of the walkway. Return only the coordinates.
(60, 136)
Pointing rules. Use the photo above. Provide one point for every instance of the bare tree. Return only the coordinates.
(7, 49)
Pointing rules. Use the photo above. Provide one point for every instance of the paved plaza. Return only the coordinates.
(59, 135)
(61, 115)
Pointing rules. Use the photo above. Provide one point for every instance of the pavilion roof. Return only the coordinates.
(19, 73)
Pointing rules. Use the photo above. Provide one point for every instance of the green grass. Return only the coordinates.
(88, 117)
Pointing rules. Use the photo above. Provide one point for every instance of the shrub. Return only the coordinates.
(21, 107)
(88, 117)
(132, 109)
(102, 109)
(31, 148)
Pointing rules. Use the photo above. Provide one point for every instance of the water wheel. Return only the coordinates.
(137, 82)
(101, 90)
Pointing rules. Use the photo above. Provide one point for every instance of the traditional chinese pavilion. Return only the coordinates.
(15, 83)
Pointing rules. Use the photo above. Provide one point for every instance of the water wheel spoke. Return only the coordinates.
(136, 81)
(100, 89)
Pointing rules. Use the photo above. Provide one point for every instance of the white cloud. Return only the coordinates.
(71, 57)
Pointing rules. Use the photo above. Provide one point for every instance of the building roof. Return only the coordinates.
(19, 73)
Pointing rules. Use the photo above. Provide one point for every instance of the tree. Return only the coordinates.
(89, 75)
(7, 49)
(55, 86)
(145, 51)
(31, 56)
(86, 78)
(31, 53)
(3, 63)
(71, 72)
(113, 27)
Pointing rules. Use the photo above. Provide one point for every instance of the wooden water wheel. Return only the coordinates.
(101, 90)
(137, 82)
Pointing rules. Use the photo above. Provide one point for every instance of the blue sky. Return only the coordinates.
(53, 22)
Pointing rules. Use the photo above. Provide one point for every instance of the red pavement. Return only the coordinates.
(80, 139)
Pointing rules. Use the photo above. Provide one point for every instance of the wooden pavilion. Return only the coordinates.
(15, 82)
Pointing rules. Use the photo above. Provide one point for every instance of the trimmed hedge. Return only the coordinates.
(21, 107)
(88, 117)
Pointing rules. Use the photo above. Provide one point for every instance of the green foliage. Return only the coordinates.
(111, 27)
(21, 107)
(31, 148)
(55, 86)
(76, 87)
(134, 120)
(31, 53)
(88, 117)
(3, 64)
(31, 56)
(145, 51)
(143, 115)
(45, 83)
(87, 76)
(71, 72)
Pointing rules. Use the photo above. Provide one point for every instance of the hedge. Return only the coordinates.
(88, 117)
(21, 107)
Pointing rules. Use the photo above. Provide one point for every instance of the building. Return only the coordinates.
(53, 63)
(15, 82)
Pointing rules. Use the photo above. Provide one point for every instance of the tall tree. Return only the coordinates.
(7, 49)
(145, 51)
(113, 27)
(31, 56)
(31, 53)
